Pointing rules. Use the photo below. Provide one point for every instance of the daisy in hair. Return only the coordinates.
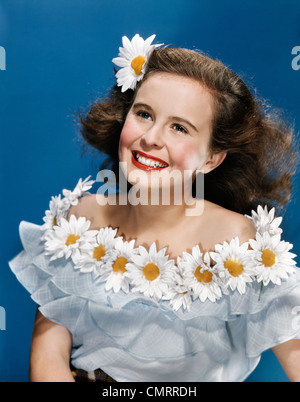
(132, 58)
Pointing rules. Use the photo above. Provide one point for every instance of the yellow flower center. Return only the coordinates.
(54, 222)
(151, 271)
(119, 265)
(268, 258)
(234, 267)
(99, 252)
(137, 64)
(72, 239)
(205, 276)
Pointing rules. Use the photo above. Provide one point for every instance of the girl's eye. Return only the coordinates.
(179, 128)
(144, 115)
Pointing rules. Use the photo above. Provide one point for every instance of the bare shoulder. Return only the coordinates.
(95, 208)
(85, 206)
(229, 224)
(89, 208)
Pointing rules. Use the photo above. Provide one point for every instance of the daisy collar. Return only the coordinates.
(231, 267)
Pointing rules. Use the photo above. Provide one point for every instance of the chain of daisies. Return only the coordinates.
(124, 267)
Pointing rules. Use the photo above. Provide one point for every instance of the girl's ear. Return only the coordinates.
(214, 161)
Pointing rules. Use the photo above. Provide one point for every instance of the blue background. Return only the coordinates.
(58, 61)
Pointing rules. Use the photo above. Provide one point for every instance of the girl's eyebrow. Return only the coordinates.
(177, 118)
(142, 105)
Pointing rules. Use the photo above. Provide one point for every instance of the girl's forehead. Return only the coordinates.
(176, 93)
(170, 83)
(171, 79)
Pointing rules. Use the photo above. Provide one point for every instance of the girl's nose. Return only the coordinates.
(153, 137)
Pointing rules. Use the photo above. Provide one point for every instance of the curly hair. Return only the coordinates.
(261, 157)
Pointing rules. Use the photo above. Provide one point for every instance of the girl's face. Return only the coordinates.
(168, 127)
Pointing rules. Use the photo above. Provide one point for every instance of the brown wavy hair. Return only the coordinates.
(261, 155)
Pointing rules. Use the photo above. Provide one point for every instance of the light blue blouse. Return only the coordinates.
(139, 316)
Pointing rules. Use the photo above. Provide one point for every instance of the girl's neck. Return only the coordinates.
(161, 217)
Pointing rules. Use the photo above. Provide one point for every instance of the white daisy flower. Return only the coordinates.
(198, 275)
(232, 265)
(116, 266)
(271, 258)
(96, 254)
(67, 239)
(53, 215)
(264, 221)
(132, 58)
(82, 187)
(179, 295)
(150, 272)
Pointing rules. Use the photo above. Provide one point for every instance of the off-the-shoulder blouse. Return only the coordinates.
(141, 316)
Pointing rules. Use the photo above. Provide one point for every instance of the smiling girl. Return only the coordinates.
(143, 291)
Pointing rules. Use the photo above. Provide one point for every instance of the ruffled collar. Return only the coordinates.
(231, 267)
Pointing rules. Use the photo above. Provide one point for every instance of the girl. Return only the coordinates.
(180, 287)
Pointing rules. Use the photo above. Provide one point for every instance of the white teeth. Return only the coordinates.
(149, 162)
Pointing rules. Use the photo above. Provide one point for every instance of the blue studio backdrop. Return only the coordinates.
(55, 59)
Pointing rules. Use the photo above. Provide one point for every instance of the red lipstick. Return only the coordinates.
(159, 163)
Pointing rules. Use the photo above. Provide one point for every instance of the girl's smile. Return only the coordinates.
(147, 162)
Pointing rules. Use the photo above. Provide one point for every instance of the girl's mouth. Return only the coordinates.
(147, 162)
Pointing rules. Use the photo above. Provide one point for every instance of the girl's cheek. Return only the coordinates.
(187, 158)
(127, 137)
(129, 133)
